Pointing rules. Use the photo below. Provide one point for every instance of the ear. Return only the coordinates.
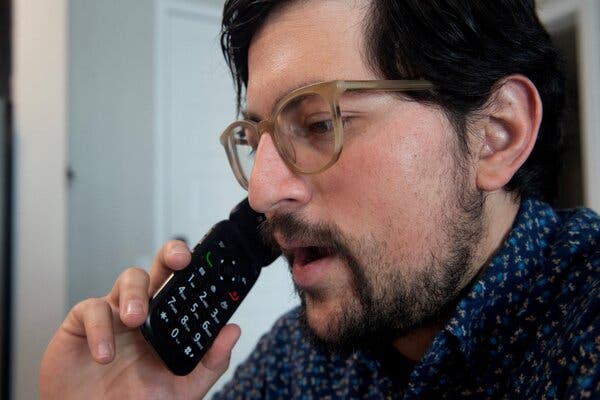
(510, 124)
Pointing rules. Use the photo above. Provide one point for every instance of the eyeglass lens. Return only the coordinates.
(304, 134)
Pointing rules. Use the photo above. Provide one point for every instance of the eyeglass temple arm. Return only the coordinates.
(396, 85)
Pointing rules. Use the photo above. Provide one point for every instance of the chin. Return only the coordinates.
(331, 324)
(320, 313)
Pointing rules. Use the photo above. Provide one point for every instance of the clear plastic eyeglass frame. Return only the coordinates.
(331, 92)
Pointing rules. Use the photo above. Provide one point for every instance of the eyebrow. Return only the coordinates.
(253, 116)
(250, 116)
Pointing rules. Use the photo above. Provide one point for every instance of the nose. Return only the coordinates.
(273, 187)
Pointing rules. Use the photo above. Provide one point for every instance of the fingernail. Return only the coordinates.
(135, 307)
(104, 349)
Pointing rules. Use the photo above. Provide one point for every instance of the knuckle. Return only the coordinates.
(224, 366)
(97, 323)
(221, 367)
(135, 271)
(133, 277)
(91, 303)
(90, 310)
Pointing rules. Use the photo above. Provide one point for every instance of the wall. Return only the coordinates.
(111, 142)
(39, 88)
(61, 83)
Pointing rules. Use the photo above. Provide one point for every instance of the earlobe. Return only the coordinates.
(510, 128)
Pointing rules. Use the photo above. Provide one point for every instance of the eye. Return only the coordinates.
(245, 143)
(245, 137)
(321, 127)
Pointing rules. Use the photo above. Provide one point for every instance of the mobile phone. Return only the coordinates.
(192, 306)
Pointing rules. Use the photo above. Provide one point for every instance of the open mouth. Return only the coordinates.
(305, 255)
(310, 265)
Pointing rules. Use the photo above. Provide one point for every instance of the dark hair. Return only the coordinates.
(464, 47)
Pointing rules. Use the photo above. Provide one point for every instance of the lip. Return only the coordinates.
(313, 273)
(309, 274)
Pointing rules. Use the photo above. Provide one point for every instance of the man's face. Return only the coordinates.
(380, 242)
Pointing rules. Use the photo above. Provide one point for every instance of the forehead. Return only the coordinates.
(305, 42)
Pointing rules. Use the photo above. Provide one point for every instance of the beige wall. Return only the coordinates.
(39, 88)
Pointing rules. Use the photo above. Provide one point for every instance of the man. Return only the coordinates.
(426, 262)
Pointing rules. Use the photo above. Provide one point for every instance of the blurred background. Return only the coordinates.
(110, 113)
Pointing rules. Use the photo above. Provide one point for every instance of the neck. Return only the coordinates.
(414, 345)
(500, 211)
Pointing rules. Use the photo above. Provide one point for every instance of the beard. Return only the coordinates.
(384, 300)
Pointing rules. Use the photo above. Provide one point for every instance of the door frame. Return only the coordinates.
(164, 9)
(584, 16)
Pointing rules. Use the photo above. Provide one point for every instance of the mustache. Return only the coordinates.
(292, 228)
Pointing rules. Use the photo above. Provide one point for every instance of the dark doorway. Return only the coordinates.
(570, 180)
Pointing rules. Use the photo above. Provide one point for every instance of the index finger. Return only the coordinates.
(174, 255)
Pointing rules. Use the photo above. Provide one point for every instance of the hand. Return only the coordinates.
(99, 353)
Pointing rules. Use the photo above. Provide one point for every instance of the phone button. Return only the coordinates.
(233, 295)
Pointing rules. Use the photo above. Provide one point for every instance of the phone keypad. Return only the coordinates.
(200, 301)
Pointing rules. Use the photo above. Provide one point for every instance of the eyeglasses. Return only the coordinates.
(307, 126)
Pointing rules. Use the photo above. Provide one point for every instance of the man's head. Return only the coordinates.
(383, 241)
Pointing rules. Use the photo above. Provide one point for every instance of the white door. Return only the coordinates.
(195, 187)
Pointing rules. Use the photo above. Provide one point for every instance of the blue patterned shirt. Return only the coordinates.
(528, 328)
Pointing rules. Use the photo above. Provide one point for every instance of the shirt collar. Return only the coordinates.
(491, 307)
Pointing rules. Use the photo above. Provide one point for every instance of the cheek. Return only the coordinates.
(396, 166)
(392, 184)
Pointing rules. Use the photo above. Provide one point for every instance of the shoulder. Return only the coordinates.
(572, 271)
(577, 234)
(574, 258)
(568, 337)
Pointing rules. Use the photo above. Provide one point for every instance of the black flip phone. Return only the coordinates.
(188, 311)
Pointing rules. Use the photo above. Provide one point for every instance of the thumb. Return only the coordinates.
(216, 360)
